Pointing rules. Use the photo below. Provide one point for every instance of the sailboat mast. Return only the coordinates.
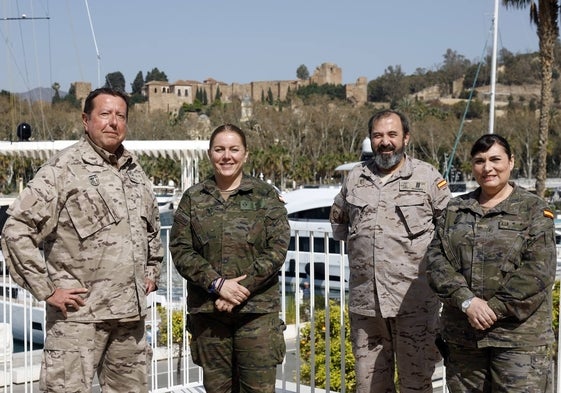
(494, 69)
(95, 44)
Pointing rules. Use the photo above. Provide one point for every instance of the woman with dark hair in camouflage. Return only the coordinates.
(492, 263)
(229, 241)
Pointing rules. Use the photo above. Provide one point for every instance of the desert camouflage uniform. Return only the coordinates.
(393, 311)
(96, 220)
(506, 256)
(211, 238)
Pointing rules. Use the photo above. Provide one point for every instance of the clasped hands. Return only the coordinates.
(480, 315)
(232, 294)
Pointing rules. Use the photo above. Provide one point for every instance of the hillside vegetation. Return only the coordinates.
(302, 140)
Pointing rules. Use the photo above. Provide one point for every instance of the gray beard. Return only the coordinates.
(388, 162)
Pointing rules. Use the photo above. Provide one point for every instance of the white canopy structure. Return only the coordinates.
(189, 152)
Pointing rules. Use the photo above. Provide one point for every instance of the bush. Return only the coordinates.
(319, 334)
(177, 333)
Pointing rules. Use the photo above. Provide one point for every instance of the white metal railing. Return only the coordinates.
(171, 366)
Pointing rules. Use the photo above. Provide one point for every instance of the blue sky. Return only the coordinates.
(243, 41)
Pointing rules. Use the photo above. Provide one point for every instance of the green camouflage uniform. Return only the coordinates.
(388, 226)
(211, 238)
(505, 256)
(96, 220)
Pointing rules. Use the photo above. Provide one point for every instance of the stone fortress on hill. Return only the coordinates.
(170, 97)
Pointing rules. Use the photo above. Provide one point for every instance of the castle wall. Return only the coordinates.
(82, 90)
(170, 96)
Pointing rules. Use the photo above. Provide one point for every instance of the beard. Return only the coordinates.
(388, 161)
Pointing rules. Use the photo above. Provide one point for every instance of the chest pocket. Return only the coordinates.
(90, 212)
(513, 235)
(415, 214)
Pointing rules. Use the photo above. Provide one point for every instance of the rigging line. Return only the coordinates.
(41, 120)
(46, 11)
(44, 126)
(23, 47)
(10, 50)
(78, 61)
(494, 68)
(95, 44)
(460, 131)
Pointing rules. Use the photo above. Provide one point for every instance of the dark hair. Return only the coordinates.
(385, 113)
(485, 142)
(228, 127)
(88, 104)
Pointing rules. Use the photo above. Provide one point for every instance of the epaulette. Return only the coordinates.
(441, 184)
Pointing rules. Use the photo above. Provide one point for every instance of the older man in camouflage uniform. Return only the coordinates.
(84, 236)
(386, 212)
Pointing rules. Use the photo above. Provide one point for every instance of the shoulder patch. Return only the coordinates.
(548, 213)
(441, 184)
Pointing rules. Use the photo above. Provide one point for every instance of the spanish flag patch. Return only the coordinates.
(548, 213)
(441, 184)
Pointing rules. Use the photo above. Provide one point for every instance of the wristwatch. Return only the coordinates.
(465, 304)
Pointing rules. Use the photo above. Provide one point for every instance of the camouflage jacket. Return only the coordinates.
(506, 256)
(247, 234)
(81, 222)
(388, 227)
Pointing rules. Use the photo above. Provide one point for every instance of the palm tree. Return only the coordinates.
(544, 15)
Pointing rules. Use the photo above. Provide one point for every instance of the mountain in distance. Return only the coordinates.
(40, 94)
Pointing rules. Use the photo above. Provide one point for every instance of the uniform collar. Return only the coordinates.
(210, 185)
(95, 155)
(508, 206)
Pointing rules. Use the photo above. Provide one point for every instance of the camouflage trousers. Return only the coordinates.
(404, 343)
(238, 352)
(74, 352)
(499, 370)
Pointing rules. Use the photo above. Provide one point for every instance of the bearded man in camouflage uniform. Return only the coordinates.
(84, 236)
(386, 212)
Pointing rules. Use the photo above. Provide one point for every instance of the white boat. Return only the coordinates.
(168, 197)
(312, 246)
(20, 310)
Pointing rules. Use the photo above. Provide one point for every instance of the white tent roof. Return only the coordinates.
(161, 148)
(189, 152)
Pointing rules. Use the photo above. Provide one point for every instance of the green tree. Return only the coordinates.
(390, 87)
(156, 75)
(70, 97)
(115, 80)
(453, 68)
(137, 84)
(218, 95)
(313, 341)
(544, 14)
(302, 72)
(56, 96)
